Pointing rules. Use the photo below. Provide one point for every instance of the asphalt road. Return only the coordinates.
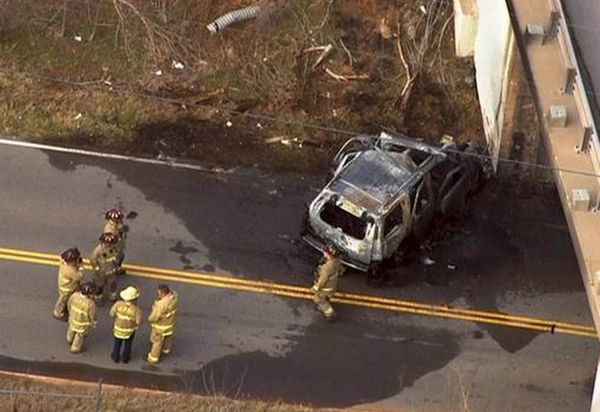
(512, 254)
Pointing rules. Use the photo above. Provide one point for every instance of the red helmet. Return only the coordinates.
(88, 288)
(71, 255)
(115, 215)
(108, 238)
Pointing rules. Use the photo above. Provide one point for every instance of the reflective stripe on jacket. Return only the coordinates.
(69, 278)
(104, 261)
(127, 319)
(82, 313)
(328, 274)
(164, 314)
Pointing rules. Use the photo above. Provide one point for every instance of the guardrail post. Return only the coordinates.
(99, 396)
(570, 82)
(584, 143)
(552, 30)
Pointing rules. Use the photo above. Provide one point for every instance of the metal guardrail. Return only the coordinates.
(96, 399)
(574, 81)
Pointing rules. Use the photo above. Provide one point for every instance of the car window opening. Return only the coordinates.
(337, 217)
(394, 219)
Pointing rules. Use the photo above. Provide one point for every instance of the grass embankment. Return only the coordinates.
(109, 52)
(118, 399)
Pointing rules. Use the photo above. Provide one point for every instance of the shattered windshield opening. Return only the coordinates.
(339, 218)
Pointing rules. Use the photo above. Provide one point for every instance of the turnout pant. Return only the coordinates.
(126, 345)
(60, 308)
(106, 286)
(75, 339)
(321, 298)
(160, 345)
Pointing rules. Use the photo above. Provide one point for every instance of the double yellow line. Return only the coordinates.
(300, 292)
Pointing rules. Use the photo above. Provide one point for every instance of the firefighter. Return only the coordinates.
(162, 320)
(114, 224)
(82, 316)
(105, 266)
(70, 274)
(128, 317)
(326, 281)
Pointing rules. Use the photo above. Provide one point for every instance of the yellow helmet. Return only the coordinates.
(129, 293)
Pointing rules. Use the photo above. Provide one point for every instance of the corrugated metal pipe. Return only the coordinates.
(235, 16)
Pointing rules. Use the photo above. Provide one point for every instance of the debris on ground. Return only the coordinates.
(232, 17)
(177, 65)
(451, 267)
(427, 261)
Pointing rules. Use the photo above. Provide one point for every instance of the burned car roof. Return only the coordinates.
(373, 179)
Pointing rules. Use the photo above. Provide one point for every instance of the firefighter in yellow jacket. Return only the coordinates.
(162, 320)
(128, 318)
(105, 266)
(326, 281)
(114, 224)
(82, 316)
(70, 274)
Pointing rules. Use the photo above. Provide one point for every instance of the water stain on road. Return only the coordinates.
(509, 243)
(373, 367)
(321, 362)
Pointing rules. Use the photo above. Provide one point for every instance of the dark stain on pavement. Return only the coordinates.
(183, 251)
(369, 364)
(513, 239)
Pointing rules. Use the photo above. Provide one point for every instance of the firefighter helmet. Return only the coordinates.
(71, 255)
(108, 238)
(88, 288)
(115, 215)
(129, 293)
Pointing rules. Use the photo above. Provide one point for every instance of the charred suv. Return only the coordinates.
(385, 190)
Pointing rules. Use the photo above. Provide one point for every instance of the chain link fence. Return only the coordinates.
(95, 399)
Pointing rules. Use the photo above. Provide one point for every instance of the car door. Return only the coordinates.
(396, 226)
(423, 207)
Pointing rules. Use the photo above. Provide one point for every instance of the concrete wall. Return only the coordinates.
(494, 48)
(465, 27)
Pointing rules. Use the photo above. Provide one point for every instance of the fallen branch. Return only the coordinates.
(325, 50)
(410, 78)
(351, 60)
(347, 77)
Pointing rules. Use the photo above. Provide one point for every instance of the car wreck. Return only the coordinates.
(387, 189)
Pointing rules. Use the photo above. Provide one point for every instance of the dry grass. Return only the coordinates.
(259, 66)
(116, 399)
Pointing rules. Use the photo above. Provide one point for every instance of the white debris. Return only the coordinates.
(274, 139)
(265, 59)
(78, 38)
(177, 65)
(258, 125)
(423, 9)
(273, 192)
(427, 261)
(158, 72)
(79, 116)
(451, 267)
(286, 142)
(228, 124)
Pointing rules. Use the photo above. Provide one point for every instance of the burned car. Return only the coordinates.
(387, 189)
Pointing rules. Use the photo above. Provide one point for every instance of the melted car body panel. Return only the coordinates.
(382, 192)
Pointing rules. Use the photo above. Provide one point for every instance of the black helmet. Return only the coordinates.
(87, 288)
(71, 255)
(115, 215)
(108, 238)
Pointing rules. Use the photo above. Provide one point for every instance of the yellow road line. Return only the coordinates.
(298, 292)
